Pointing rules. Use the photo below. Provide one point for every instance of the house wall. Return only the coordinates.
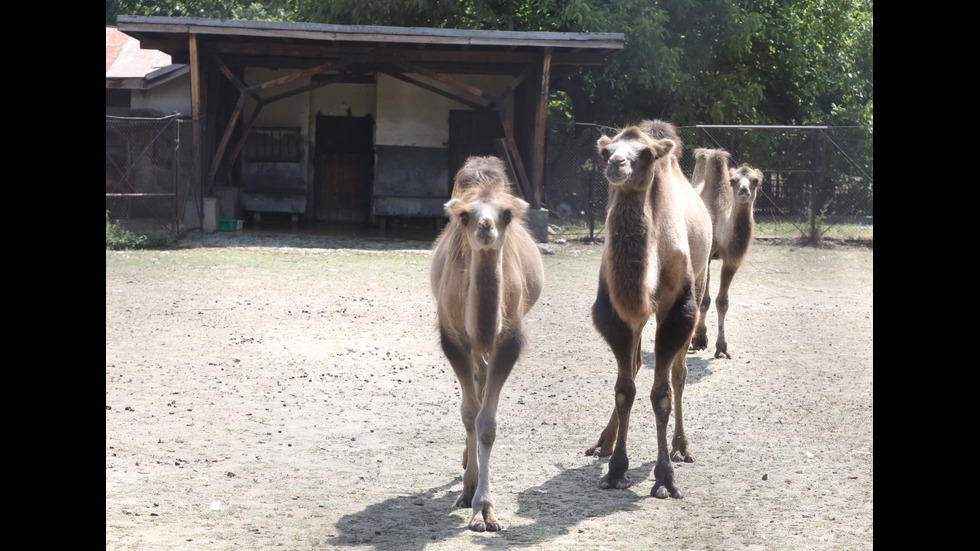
(412, 145)
(170, 97)
(411, 139)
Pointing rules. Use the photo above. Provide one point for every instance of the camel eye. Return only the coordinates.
(606, 154)
(506, 216)
(464, 217)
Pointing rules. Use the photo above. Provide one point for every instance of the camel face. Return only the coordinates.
(486, 221)
(629, 157)
(745, 183)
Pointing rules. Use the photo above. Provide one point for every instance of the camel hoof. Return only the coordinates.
(699, 342)
(618, 482)
(464, 501)
(678, 457)
(722, 352)
(660, 491)
(599, 451)
(478, 526)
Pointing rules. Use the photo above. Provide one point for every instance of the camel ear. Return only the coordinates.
(452, 207)
(520, 207)
(663, 148)
(601, 146)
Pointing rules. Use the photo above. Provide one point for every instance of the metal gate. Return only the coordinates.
(149, 172)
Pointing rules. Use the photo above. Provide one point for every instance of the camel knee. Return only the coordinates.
(486, 430)
(721, 304)
(660, 400)
(625, 394)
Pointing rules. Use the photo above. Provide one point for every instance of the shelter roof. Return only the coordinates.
(300, 44)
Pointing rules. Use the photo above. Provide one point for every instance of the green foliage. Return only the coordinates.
(118, 238)
(688, 61)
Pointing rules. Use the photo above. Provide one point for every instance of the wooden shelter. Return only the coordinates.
(349, 123)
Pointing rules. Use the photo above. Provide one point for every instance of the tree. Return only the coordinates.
(688, 61)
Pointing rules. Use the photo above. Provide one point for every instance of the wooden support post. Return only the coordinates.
(540, 126)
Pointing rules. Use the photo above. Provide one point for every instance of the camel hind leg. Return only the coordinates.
(700, 339)
(680, 448)
(721, 305)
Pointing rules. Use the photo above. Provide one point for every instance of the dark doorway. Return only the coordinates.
(471, 133)
(344, 168)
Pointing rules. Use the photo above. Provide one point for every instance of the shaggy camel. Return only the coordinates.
(729, 196)
(658, 238)
(486, 275)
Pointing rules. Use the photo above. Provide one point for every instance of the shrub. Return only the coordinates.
(118, 238)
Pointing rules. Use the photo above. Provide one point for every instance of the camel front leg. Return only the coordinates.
(673, 334)
(459, 359)
(504, 358)
(721, 305)
(619, 337)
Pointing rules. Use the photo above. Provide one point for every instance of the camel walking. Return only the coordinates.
(658, 238)
(486, 275)
(729, 195)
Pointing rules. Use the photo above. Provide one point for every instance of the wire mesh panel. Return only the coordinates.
(148, 175)
(819, 181)
(576, 190)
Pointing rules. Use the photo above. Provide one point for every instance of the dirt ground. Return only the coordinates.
(288, 393)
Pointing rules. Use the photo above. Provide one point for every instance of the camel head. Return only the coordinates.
(482, 205)
(745, 182)
(630, 157)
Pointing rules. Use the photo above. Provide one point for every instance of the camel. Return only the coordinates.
(658, 238)
(729, 195)
(486, 275)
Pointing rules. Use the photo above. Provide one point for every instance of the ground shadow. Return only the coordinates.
(697, 368)
(412, 522)
(319, 236)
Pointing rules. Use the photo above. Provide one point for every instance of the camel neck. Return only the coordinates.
(483, 323)
(629, 226)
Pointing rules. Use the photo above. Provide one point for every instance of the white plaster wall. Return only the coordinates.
(411, 116)
(169, 97)
(291, 111)
(334, 100)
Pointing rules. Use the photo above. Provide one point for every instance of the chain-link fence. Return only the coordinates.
(150, 175)
(819, 181)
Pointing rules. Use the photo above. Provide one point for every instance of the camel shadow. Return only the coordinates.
(409, 522)
(413, 522)
(697, 368)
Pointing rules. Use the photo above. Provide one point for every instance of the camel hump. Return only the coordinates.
(711, 154)
(484, 172)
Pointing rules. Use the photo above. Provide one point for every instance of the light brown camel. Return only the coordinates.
(486, 275)
(729, 195)
(658, 237)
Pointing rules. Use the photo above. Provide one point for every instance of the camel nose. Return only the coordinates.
(617, 161)
(485, 228)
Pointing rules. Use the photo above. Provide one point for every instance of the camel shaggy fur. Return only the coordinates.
(486, 275)
(654, 265)
(729, 195)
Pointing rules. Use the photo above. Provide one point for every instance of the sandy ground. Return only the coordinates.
(290, 393)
